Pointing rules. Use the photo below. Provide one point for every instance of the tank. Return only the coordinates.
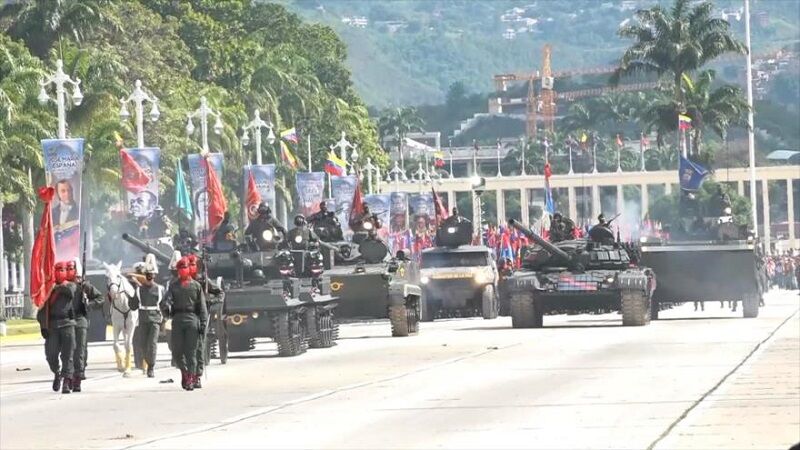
(705, 259)
(579, 275)
(259, 302)
(371, 284)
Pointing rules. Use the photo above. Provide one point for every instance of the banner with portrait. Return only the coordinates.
(343, 189)
(264, 176)
(197, 175)
(421, 211)
(310, 188)
(398, 212)
(143, 203)
(63, 164)
(380, 204)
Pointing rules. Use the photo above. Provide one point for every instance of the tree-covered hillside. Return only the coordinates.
(409, 51)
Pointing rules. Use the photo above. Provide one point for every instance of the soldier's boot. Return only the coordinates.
(189, 381)
(56, 383)
(196, 381)
(76, 383)
(118, 357)
(66, 386)
(82, 376)
(128, 362)
(186, 380)
(150, 373)
(145, 368)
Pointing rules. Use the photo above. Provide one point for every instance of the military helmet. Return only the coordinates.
(299, 220)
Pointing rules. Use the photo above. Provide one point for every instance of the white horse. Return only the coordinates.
(123, 318)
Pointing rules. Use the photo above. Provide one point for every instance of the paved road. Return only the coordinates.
(692, 380)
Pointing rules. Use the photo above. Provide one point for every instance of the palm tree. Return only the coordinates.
(675, 42)
(397, 123)
(716, 109)
(40, 23)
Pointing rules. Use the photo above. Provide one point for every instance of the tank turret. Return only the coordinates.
(146, 248)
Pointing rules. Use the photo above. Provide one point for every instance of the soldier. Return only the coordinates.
(601, 220)
(320, 215)
(367, 217)
(184, 241)
(87, 297)
(185, 303)
(157, 225)
(213, 296)
(301, 236)
(263, 222)
(57, 323)
(148, 300)
(225, 234)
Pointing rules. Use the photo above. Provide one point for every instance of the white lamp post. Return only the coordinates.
(138, 97)
(569, 149)
(499, 173)
(256, 125)
(641, 151)
(202, 113)
(59, 79)
(395, 173)
(522, 150)
(594, 153)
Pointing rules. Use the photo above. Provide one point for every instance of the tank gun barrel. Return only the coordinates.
(146, 248)
(330, 247)
(550, 248)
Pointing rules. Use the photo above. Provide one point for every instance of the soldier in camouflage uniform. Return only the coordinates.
(57, 322)
(184, 301)
(87, 297)
(213, 296)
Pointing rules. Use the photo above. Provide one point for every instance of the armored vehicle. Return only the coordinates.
(458, 280)
(577, 275)
(708, 258)
(372, 285)
(258, 302)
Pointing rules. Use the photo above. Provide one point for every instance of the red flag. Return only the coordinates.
(217, 206)
(357, 208)
(253, 197)
(43, 257)
(438, 206)
(134, 178)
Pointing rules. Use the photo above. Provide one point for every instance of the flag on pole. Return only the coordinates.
(619, 140)
(691, 174)
(644, 141)
(217, 206)
(43, 257)
(253, 198)
(438, 207)
(290, 135)
(287, 156)
(182, 198)
(357, 206)
(549, 206)
(335, 165)
(134, 178)
(684, 122)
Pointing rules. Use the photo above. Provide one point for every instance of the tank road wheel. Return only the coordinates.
(327, 330)
(750, 306)
(523, 312)
(412, 312)
(635, 309)
(288, 334)
(489, 307)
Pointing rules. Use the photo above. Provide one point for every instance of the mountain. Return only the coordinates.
(407, 52)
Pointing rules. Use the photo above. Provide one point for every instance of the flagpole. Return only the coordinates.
(309, 152)
(641, 150)
(750, 136)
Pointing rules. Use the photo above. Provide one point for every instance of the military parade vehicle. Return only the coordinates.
(258, 302)
(705, 257)
(369, 283)
(458, 280)
(597, 272)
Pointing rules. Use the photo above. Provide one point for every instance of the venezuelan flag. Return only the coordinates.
(334, 165)
(684, 122)
(287, 156)
(290, 135)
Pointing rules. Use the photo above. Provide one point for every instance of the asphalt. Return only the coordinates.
(692, 380)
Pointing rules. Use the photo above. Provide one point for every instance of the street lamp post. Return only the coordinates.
(569, 147)
(522, 150)
(450, 148)
(59, 79)
(546, 145)
(619, 158)
(343, 144)
(395, 173)
(369, 168)
(594, 153)
(256, 125)
(138, 97)
(202, 113)
(641, 151)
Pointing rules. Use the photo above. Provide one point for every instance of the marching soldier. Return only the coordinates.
(213, 296)
(148, 300)
(185, 302)
(87, 297)
(57, 323)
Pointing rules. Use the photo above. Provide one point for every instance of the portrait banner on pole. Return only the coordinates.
(63, 163)
(264, 176)
(421, 209)
(380, 204)
(143, 200)
(198, 177)
(343, 189)
(399, 211)
(310, 188)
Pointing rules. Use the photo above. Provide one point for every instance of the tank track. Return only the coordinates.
(635, 308)
(524, 313)
(289, 334)
(327, 329)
